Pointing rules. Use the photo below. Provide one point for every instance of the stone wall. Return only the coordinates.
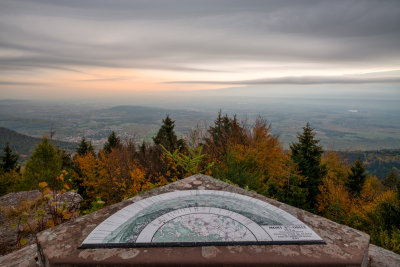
(344, 246)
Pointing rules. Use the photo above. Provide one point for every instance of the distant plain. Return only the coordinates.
(345, 124)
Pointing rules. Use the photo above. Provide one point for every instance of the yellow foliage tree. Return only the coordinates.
(336, 168)
(10, 182)
(259, 164)
(371, 190)
(334, 201)
(113, 176)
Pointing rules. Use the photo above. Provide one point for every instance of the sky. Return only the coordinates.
(83, 48)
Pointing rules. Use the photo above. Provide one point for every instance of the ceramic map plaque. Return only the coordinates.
(198, 218)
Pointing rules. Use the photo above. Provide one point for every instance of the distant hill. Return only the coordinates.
(378, 162)
(24, 145)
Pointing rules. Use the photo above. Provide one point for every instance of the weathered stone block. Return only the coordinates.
(25, 257)
(344, 246)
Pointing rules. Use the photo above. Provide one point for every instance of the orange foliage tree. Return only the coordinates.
(113, 176)
(254, 158)
(375, 210)
(334, 201)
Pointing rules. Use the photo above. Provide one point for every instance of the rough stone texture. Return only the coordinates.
(25, 257)
(13, 199)
(344, 246)
(380, 257)
(72, 199)
(8, 236)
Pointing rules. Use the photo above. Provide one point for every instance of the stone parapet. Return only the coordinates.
(25, 257)
(380, 257)
(344, 246)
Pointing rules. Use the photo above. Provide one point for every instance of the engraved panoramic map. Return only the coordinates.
(199, 217)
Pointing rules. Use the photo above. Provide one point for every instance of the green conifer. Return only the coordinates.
(167, 138)
(84, 147)
(9, 161)
(307, 155)
(356, 177)
(113, 142)
(392, 180)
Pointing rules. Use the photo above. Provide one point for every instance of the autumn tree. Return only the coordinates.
(306, 153)
(381, 220)
(336, 167)
(334, 201)
(10, 182)
(112, 176)
(81, 150)
(113, 142)
(9, 161)
(292, 190)
(356, 177)
(258, 162)
(166, 136)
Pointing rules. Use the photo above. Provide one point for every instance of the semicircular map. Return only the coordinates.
(199, 217)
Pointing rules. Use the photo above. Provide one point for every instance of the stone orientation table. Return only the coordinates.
(342, 245)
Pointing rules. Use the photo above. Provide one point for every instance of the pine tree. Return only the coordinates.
(398, 192)
(84, 147)
(307, 155)
(226, 132)
(356, 177)
(167, 138)
(113, 142)
(221, 124)
(392, 180)
(143, 148)
(9, 161)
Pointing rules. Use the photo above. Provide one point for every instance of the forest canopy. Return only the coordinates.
(249, 156)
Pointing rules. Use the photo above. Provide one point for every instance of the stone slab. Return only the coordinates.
(344, 246)
(25, 257)
(380, 257)
(8, 234)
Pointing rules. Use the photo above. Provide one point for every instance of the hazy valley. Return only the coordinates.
(341, 124)
(369, 129)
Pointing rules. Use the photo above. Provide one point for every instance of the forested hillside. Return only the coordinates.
(379, 162)
(24, 145)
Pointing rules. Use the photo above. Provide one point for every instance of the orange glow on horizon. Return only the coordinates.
(104, 82)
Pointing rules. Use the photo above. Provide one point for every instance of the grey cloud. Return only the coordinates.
(168, 34)
(367, 78)
(20, 83)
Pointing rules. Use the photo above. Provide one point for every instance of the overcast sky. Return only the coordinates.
(93, 47)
